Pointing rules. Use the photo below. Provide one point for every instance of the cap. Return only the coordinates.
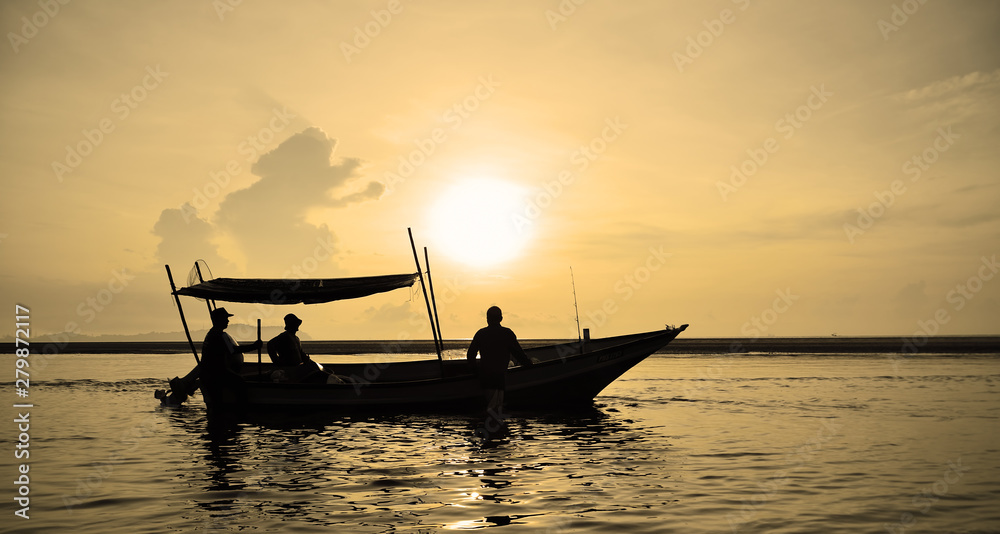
(219, 313)
(291, 319)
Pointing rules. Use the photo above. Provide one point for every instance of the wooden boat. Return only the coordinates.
(564, 374)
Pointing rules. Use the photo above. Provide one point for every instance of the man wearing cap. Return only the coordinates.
(285, 350)
(222, 356)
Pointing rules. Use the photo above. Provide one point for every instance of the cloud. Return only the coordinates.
(268, 220)
(969, 97)
(392, 313)
(971, 219)
(185, 237)
(954, 85)
(978, 187)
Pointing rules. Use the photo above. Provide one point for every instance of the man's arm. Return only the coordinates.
(248, 348)
(473, 349)
(272, 349)
(302, 354)
(284, 350)
(518, 352)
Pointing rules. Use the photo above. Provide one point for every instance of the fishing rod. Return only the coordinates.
(579, 336)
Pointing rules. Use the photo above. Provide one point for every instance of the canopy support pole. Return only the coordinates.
(430, 286)
(177, 299)
(430, 315)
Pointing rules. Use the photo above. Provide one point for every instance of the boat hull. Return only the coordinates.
(569, 374)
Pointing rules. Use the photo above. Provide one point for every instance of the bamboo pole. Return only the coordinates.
(430, 285)
(427, 300)
(177, 299)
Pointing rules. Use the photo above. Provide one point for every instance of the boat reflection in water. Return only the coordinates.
(403, 472)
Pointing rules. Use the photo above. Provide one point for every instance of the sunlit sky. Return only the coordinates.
(750, 168)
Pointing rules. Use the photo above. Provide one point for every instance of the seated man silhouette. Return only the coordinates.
(285, 351)
(496, 345)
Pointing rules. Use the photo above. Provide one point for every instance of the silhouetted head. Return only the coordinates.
(220, 317)
(292, 322)
(494, 315)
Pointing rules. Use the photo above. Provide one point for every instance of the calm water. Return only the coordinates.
(833, 443)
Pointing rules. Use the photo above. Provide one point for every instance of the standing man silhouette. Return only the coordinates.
(222, 357)
(496, 345)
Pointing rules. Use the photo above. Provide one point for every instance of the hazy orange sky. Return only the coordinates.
(751, 168)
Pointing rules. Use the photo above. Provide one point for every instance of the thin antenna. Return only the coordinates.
(575, 306)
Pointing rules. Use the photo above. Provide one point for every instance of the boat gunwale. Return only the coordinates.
(573, 358)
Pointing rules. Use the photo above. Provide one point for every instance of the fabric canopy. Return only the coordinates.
(295, 291)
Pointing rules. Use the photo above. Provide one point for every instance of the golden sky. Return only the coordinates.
(751, 168)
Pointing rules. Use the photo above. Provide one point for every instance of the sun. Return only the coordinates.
(479, 222)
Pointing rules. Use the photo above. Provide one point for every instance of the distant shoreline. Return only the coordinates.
(807, 345)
